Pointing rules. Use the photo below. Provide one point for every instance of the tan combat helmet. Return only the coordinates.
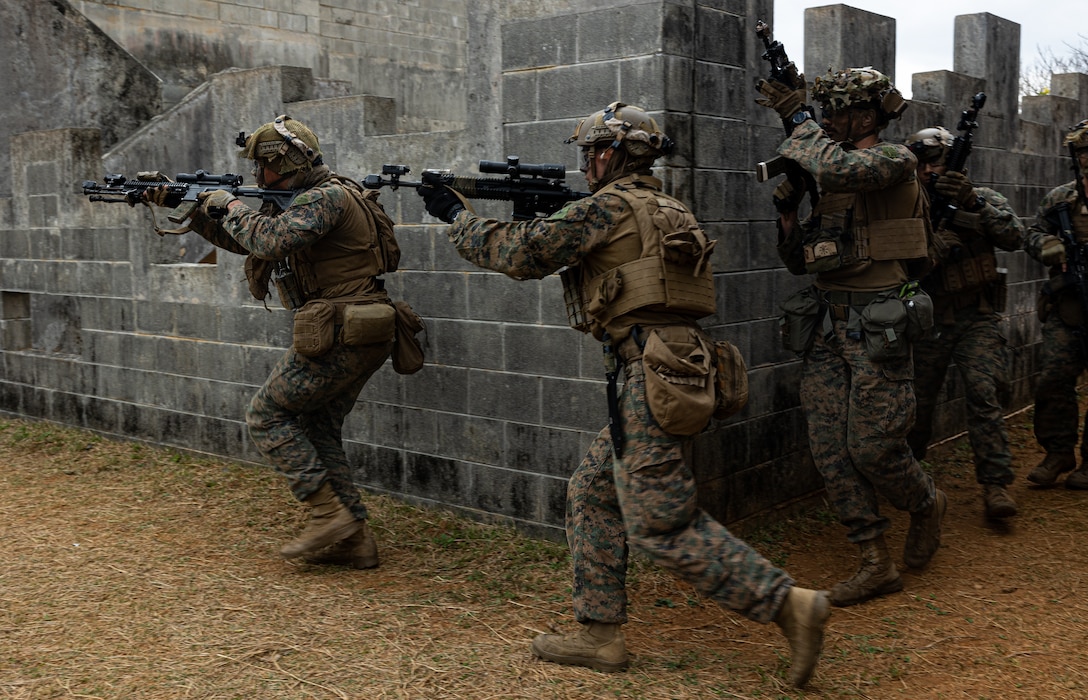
(930, 145)
(865, 88)
(1078, 136)
(285, 145)
(623, 126)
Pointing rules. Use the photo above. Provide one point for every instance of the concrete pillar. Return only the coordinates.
(988, 47)
(846, 37)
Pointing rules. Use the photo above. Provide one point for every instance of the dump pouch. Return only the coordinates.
(314, 328)
(407, 350)
(731, 380)
(680, 384)
(367, 324)
(802, 314)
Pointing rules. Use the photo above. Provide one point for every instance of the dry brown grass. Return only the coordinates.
(133, 572)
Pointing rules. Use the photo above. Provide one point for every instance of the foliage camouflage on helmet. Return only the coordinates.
(931, 145)
(625, 126)
(1078, 135)
(286, 145)
(858, 87)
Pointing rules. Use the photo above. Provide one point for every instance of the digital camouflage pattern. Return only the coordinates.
(859, 413)
(1061, 363)
(1078, 135)
(1042, 228)
(850, 87)
(536, 248)
(970, 335)
(647, 499)
(271, 234)
(837, 169)
(297, 416)
(975, 343)
(1060, 360)
(296, 419)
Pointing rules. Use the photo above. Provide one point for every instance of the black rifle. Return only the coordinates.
(1075, 270)
(784, 71)
(535, 190)
(181, 194)
(941, 209)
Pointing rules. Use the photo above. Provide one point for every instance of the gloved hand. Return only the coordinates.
(214, 203)
(958, 189)
(788, 195)
(154, 195)
(782, 98)
(442, 202)
(1052, 251)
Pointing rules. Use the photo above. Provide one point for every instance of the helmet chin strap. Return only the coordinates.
(850, 138)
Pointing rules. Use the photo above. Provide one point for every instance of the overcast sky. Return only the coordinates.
(923, 36)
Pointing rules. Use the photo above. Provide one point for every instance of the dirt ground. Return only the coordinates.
(131, 572)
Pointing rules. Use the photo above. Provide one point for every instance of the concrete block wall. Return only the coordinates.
(414, 52)
(106, 326)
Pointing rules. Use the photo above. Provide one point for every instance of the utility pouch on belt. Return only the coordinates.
(679, 379)
(884, 324)
(367, 324)
(919, 307)
(802, 313)
(314, 329)
(731, 380)
(407, 351)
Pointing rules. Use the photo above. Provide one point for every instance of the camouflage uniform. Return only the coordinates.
(647, 499)
(1061, 358)
(965, 295)
(859, 412)
(296, 417)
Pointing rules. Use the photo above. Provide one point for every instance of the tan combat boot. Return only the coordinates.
(359, 551)
(598, 645)
(1052, 466)
(1078, 480)
(876, 576)
(999, 503)
(924, 535)
(802, 618)
(330, 522)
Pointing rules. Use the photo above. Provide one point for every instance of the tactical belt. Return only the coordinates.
(856, 299)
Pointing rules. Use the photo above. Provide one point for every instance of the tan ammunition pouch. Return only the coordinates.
(315, 328)
(367, 324)
(673, 272)
(847, 228)
(680, 381)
